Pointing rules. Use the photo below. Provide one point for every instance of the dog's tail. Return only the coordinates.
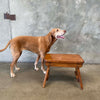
(6, 46)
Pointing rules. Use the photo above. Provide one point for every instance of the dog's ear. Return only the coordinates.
(52, 32)
(50, 36)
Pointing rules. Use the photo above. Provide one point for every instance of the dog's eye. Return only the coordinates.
(57, 30)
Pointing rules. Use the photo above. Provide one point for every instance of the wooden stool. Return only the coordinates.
(64, 60)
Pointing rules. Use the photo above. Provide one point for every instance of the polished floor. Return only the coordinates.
(62, 85)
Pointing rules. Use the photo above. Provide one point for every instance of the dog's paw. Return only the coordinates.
(12, 75)
(36, 68)
(44, 72)
(17, 68)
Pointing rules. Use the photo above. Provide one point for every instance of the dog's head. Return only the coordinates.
(58, 33)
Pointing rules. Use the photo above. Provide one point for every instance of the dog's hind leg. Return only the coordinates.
(15, 56)
(16, 67)
(36, 62)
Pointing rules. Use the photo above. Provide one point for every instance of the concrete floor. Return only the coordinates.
(62, 85)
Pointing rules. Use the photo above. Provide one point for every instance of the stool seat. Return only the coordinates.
(64, 58)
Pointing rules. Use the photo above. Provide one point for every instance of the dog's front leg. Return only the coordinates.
(36, 63)
(42, 63)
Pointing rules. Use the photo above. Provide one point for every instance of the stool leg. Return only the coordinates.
(80, 80)
(76, 74)
(46, 76)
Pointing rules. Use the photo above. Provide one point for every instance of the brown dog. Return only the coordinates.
(40, 45)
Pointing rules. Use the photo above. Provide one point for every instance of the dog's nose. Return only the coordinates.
(64, 31)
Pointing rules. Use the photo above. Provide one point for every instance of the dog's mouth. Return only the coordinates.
(60, 36)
